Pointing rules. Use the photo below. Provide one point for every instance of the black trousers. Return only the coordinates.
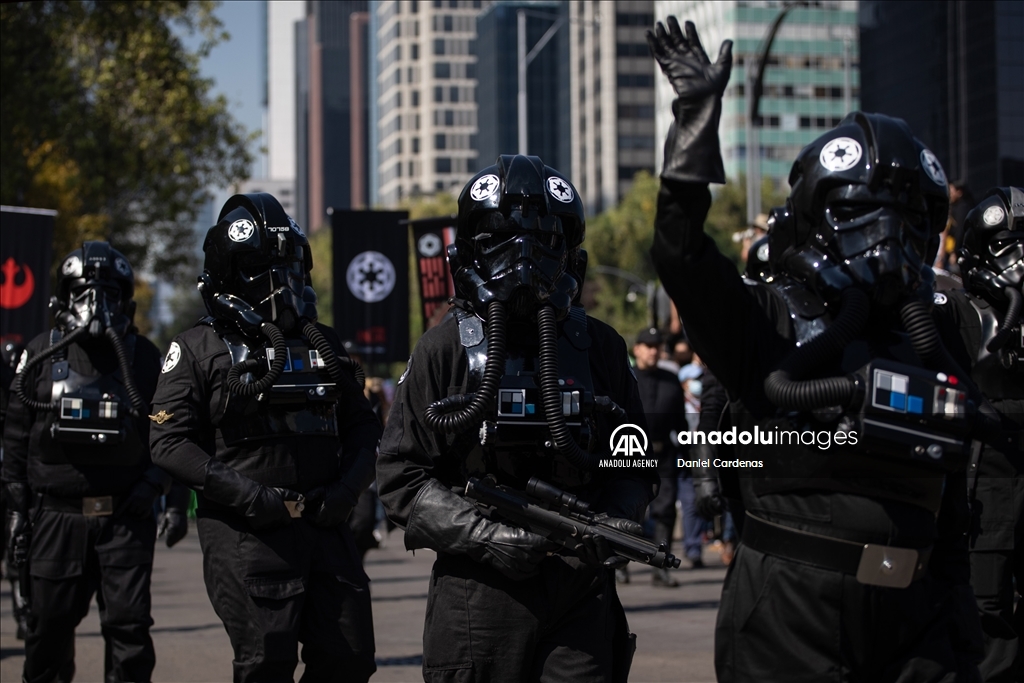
(274, 590)
(72, 558)
(565, 624)
(785, 621)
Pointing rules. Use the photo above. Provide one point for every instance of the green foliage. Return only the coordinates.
(106, 119)
(430, 206)
(323, 275)
(728, 213)
(621, 238)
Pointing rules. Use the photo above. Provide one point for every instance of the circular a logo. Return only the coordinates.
(940, 299)
(370, 276)
(429, 245)
(628, 440)
(993, 216)
(840, 154)
(122, 266)
(173, 356)
(72, 267)
(241, 230)
(932, 167)
(560, 189)
(484, 187)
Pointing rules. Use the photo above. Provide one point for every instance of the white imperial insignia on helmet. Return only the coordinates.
(370, 276)
(173, 356)
(560, 189)
(840, 154)
(122, 267)
(429, 245)
(932, 167)
(993, 215)
(484, 187)
(241, 230)
(72, 267)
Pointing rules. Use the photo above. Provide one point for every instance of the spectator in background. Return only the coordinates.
(961, 201)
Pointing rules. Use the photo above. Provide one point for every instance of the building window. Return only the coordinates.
(636, 111)
(414, 7)
(447, 23)
(634, 19)
(453, 94)
(442, 70)
(443, 165)
(415, 98)
(415, 145)
(415, 49)
(631, 50)
(438, 46)
(438, 94)
(449, 117)
(439, 141)
(636, 80)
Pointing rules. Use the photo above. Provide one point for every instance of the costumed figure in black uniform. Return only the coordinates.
(853, 412)
(79, 479)
(992, 265)
(260, 411)
(510, 388)
(665, 410)
(10, 354)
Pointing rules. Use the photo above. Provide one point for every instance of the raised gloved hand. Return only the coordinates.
(262, 505)
(329, 506)
(173, 522)
(692, 151)
(446, 522)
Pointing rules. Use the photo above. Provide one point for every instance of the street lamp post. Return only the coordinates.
(755, 80)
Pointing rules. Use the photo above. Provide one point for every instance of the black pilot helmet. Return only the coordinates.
(257, 266)
(518, 239)
(992, 254)
(95, 286)
(867, 206)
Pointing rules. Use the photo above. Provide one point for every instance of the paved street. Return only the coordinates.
(675, 627)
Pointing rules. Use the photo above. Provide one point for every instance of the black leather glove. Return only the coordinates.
(708, 498)
(262, 505)
(594, 548)
(173, 522)
(139, 501)
(329, 506)
(446, 522)
(17, 527)
(692, 151)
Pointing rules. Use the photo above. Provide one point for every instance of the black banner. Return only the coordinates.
(371, 282)
(26, 252)
(431, 237)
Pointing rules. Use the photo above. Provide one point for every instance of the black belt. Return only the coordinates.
(91, 506)
(874, 565)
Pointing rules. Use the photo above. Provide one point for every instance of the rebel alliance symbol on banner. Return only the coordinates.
(993, 216)
(484, 187)
(241, 230)
(932, 167)
(429, 245)
(12, 294)
(560, 189)
(840, 154)
(370, 276)
(173, 356)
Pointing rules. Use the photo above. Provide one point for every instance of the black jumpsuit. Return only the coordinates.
(997, 531)
(272, 589)
(783, 620)
(560, 625)
(71, 555)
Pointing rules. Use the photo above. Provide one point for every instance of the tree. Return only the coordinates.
(728, 213)
(106, 119)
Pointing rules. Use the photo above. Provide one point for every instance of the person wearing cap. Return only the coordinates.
(664, 406)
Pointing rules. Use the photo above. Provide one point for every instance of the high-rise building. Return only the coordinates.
(280, 92)
(546, 82)
(612, 94)
(424, 94)
(324, 103)
(954, 71)
(811, 73)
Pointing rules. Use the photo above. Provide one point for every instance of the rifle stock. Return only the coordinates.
(562, 518)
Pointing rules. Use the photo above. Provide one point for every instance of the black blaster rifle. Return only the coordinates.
(563, 518)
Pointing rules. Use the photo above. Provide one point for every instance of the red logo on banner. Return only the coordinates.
(372, 335)
(13, 295)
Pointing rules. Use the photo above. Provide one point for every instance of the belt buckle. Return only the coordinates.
(98, 506)
(886, 566)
